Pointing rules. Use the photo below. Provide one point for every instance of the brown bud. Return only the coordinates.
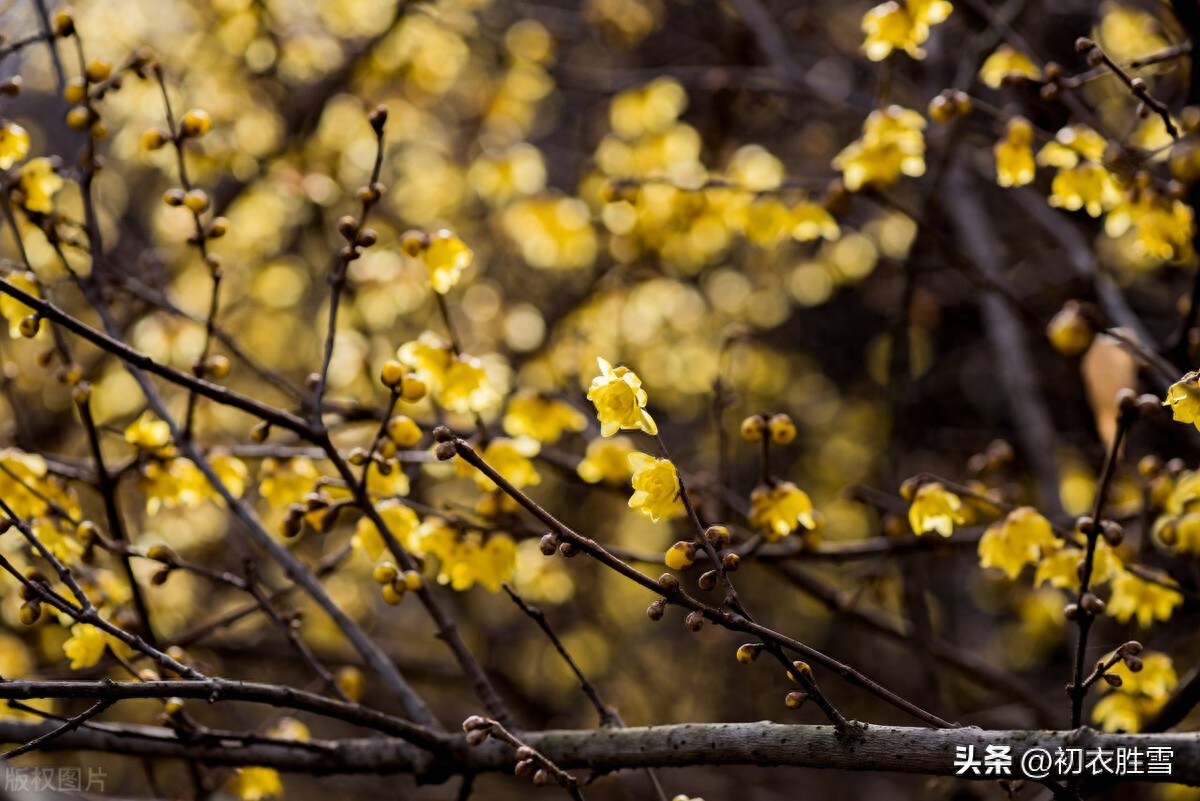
(378, 118)
(694, 621)
(347, 226)
(795, 699)
(708, 580)
(524, 768)
(549, 544)
(475, 722)
(731, 562)
(541, 777)
(260, 432)
(1113, 680)
(568, 549)
(668, 582)
(1071, 612)
(1092, 604)
(718, 536)
(477, 736)
(1133, 663)
(1112, 532)
(445, 451)
(656, 608)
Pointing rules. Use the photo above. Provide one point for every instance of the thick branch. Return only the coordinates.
(892, 749)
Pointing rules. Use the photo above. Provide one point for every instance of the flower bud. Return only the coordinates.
(748, 652)
(782, 429)
(391, 374)
(753, 428)
(195, 123)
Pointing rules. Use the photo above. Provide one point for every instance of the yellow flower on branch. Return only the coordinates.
(1133, 596)
(400, 520)
(1059, 567)
(466, 387)
(606, 460)
(256, 784)
(620, 400)
(655, 487)
(1007, 63)
(1016, 541)
(511, 459)
(892, 144)
(1014, 154)
(934, 508)
(779, 510)
(541, 417)
(283, 482)
(85, 647)
(148, 433)
(903, 26)
(1139, 695)
(14, 144)
(39, 182)
(446, 256)
(1184, 399)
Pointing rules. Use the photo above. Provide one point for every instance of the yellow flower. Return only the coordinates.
(1155, 680)
(148, 433)
(255, 784)
(1006, 62)
(812, 221)
(39, 183)
(891, 145)
(465, 559)
(779, 510)
(1016, 541)
(552, 232)
(446, 256)
(495, 562)
(540, 417)
(1085, 186)
(1162, 226)
(465, 387)
(283, 482)
(655, 487)
(1014, 154)
(1133, 596)
(1081, 181)
(14, 144)
(24, 478)
(1184, 399)
(1118, 712)
(174, 482)
(888, 27)
(620, 400)
(934, 508)
(231, 471)
(606, 460)
(400, 520)
(428, 356)
(511, 459)
(85, 646)
(1140, 695)
(905, 26)
(1060, 567)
